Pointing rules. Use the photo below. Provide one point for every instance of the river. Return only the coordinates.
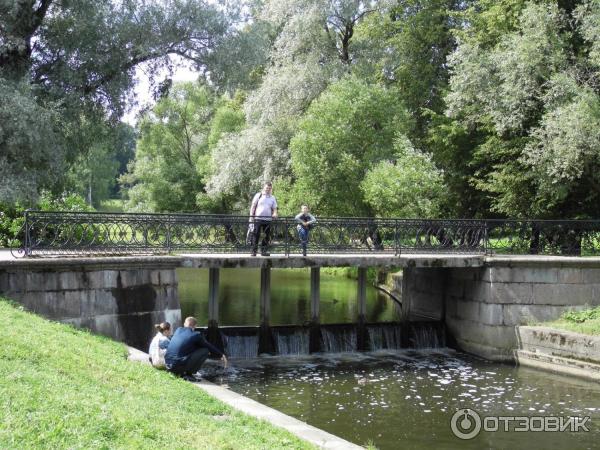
(391, 399)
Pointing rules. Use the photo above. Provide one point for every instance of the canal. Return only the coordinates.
(392, 399)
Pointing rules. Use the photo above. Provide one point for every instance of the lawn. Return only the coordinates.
(585, 322)
(61, 387)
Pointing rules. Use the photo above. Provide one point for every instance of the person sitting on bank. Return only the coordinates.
(188, 350)
(305, 223)
(159, 344)
(263, 210)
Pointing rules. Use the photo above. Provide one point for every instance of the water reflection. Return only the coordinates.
(239, 294)
(406, 398)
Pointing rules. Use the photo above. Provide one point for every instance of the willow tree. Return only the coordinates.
(77, 61)
(312, 47)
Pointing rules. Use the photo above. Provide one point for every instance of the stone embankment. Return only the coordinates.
(559, 351)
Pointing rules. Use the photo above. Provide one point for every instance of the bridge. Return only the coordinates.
(116, 273)
(78, 233)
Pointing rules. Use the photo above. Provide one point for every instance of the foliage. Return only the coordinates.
(77, 60)
(30, 155)
(12, 215)
(311, 47)
(172, 147)
(77, 390)
(405, 44)
(408, 186)
(582, 316)
(344, 133)
(530, 114)
(586, 321)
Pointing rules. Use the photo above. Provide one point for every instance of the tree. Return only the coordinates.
(30, 156)
(312, 47)
(172, 151)
(405, 45)
(346, 131)
(408, 186)
(527, 91)
(79, 57)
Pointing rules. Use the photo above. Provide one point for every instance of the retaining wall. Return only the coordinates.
(482, 306)
(123, 304)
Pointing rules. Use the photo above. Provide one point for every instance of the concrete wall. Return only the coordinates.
(423, 293)
(123, 304)
(482, 306)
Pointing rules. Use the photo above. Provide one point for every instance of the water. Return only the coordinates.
(405, 399)
(239, 297)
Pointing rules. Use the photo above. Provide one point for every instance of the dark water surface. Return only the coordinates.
(406, 399)
(239, 297)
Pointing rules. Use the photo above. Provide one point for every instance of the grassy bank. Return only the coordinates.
(585, 322)
(65, 388)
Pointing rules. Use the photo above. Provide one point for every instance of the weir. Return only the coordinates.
(478, 299)
(293, 340)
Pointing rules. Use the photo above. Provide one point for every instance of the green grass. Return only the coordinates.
(112, 205)
(65, 388)
(585, 322)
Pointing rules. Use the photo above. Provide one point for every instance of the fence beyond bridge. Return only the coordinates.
(85, 233)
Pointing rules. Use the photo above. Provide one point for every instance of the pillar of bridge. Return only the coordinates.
(265, 339)
(361, 297)
(314, 344)
(213, 308)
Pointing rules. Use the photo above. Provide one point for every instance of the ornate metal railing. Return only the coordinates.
(74, 233)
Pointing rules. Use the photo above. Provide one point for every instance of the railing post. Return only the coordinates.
(486, 238)
(168, 237)
(287, 238)
(396, 243)
(27, 240)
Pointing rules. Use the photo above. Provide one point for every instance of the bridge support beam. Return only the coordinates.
(214, 336)
(265, 340)
(361, 297)
(314, 343)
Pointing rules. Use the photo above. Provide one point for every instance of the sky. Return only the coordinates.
(143, 92)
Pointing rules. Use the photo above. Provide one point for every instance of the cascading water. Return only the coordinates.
(291, 342)
(338, 339)
(426, 335)
(385, 336)
(241, 346)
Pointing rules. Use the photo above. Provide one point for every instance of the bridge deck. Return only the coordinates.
(244, 260)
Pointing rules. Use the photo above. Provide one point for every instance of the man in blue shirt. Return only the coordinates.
(188, 350)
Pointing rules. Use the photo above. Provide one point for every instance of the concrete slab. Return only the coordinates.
(314, 435)
(241, 260)
(301, 429)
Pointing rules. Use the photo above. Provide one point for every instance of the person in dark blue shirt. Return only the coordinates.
(188, 350)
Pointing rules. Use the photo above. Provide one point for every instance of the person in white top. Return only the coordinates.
(159, 344)
(262, 211)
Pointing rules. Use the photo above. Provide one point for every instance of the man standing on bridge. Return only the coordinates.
(188, 350)
(262, 211)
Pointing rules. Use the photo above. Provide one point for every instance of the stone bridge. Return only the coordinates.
(479, 298)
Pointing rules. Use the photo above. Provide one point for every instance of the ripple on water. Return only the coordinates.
(389, 397)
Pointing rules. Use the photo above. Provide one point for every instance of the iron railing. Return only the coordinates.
(82, 233)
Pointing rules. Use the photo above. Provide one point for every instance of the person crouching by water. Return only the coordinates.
(159, 344)
(305, 223)
(188, 350)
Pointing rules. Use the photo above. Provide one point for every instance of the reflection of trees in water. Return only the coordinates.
(239, 297)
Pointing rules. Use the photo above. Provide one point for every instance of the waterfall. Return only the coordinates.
(427, 335)
(338, 339)
(241, 346)
(384, 336)
(291, 342)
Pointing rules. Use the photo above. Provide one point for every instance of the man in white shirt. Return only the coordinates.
(262, 211)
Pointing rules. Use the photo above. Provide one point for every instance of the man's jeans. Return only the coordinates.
(192, 364)
(303, 235)
(265, 227)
